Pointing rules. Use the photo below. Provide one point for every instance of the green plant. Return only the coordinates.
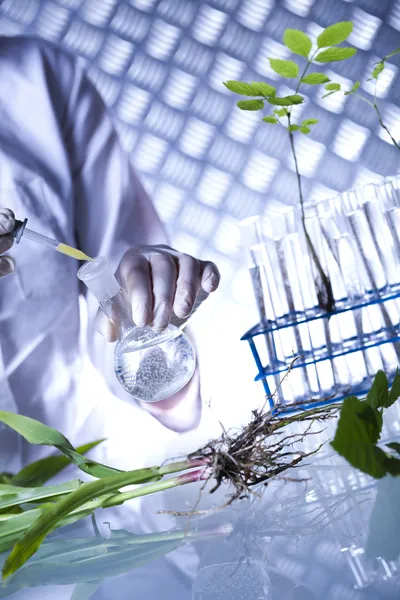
(374, 104)
(327, 51)
(360, 426)
(356, 439)
(253, 456)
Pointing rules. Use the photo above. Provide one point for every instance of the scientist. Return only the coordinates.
(63, 167)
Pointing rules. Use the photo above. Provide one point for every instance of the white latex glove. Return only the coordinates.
(160, 282)
(7, 224)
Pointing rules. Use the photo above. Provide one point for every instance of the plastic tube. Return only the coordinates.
(20, 230)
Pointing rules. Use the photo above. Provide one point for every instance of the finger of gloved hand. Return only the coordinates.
(135, 274)
(187, 285)
(6, 242)
(164, 274)
(7, 265)
(7, 220)
(107, 328)
(210, 277)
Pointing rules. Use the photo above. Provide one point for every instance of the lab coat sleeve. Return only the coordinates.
(112, 210)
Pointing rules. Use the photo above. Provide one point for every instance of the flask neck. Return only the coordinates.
(118, 309)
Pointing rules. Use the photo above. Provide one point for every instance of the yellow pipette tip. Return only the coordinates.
(72, 252)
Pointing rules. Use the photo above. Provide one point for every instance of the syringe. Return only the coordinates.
(20, 230)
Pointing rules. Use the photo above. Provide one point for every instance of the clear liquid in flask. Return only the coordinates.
(152, 367)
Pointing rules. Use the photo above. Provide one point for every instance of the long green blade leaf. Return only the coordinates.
(10, 524)
(33, 537)
(37, 433)
(33, 431)
(13, 496)
(40, 471)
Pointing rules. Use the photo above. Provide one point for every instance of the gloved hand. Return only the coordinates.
(159, 281)
(7, 224)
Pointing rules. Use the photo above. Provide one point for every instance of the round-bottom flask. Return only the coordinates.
(150, 366)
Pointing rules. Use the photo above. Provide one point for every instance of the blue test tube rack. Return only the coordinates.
(276, 369)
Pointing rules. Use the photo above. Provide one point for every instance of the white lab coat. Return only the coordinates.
(62, 166)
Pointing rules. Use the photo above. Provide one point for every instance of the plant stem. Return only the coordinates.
(94, 523)
(363, 99)
(309, 61)
(382, 124)
(326, 301)
(143, 490)
(374, 105)
(176, 467)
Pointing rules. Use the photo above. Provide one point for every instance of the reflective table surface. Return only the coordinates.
(324, 532)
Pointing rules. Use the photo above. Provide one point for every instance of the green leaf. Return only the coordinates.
(282, 112)
(286, 68)
(357, 432)
(250, 104)
(40, 471)
(295, 98)
(280, 102)
(335, 54)
(270, 120)
(263, 89)
(378, 70)
(293, 127)
(378, 395)
(307, 122)
(315, 78)
(333, 86)
(374, 421)
(353, 89)
(13, 526)
(11, 495)
(394, 446)
(305, 130)
(51, 516)
(33, 431)
(392, 465)
(240, 87)
(287, 100)
(256, 88)
(335, 34)
(297, 41)
(394, 393)
(37, 433)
